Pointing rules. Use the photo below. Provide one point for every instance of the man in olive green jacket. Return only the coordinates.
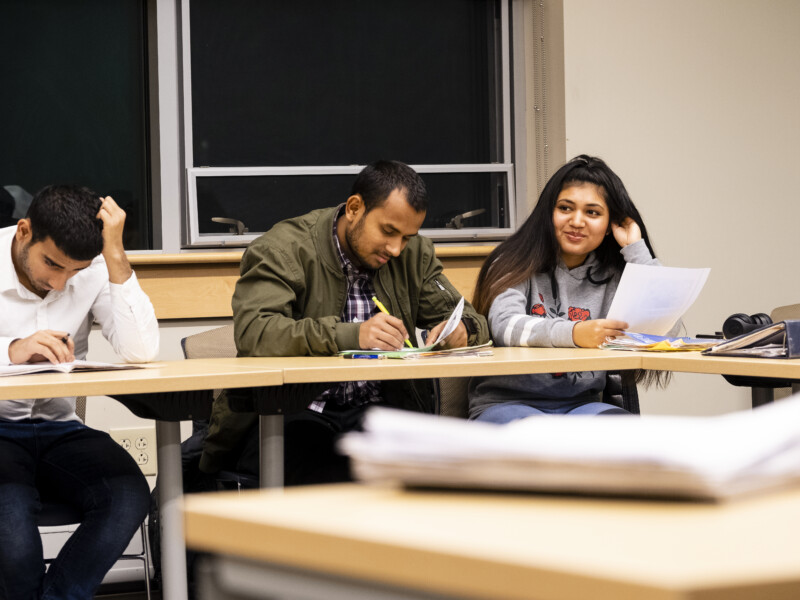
(305, 290)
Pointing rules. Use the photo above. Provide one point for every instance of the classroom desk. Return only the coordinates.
(358, 541)
(694, 362)
(504, 361)
(174, 376)
(509, 361)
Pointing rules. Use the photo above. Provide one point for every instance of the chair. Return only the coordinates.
(452, 401)
(217, 343)
(269, 403)
(55, 514)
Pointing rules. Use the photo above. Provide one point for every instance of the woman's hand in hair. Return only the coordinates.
(592, 333)
(627, 232)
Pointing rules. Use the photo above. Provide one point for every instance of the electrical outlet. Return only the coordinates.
(140, 442)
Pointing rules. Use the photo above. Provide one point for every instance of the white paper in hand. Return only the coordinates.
(651, 299)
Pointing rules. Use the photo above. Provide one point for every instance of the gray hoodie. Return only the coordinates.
(534, 314)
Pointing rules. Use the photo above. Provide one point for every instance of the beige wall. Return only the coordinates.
(696, 105)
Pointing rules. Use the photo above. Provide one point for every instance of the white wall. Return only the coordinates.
(696, 105)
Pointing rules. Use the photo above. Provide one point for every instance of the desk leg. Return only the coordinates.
(761, 396)
(271, 459)
(170, 495)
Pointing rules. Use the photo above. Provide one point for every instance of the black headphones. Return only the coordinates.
(741, 323)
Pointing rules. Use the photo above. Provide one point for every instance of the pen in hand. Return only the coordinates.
(382, 308)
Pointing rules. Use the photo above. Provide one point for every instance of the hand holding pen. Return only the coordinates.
(382, 331)
(44, 345)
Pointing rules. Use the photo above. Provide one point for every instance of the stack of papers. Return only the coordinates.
(426, 352)
(709, 458)
(431, 350)
(766, 342)
(658, 343)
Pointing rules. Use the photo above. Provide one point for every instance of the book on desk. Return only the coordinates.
(74, 366)
(776, 340)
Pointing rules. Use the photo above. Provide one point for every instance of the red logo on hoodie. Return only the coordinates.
(578, 314)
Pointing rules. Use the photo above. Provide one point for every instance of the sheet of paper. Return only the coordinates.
(651, 299)
(451, 324)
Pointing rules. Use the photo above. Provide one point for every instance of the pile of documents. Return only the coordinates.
(658, 343)
(778, 340)
(710, 458)
(431, 350)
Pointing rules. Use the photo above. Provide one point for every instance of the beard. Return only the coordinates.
(23, 263)
(353, 237)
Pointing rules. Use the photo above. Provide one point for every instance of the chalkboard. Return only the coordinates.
(73, 106)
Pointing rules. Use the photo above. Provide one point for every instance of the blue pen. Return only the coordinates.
(364, 356)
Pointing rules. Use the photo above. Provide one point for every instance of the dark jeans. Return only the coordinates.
(69, 463)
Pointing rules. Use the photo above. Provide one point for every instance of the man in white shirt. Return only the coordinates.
(62, 268)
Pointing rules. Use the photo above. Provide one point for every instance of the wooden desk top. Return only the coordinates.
(694, 362)
(514, 546)
(305, 369)
(509, 361)
(199, 374)
(170, 376)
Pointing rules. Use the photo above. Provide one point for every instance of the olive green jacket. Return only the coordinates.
(290, 298)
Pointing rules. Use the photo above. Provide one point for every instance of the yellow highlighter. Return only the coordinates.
(382, 308)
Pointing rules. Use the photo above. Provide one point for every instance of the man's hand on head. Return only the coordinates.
(382, 332)
(457, 339)
(113, 218)
(44, 345)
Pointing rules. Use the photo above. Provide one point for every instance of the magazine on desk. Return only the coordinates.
(658, 343)
(66, 367)
(708, 458)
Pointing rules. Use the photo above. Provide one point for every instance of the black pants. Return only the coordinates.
(310, 454)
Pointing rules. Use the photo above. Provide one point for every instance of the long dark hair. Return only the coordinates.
(533, 248)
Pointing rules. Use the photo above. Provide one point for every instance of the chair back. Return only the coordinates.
(214, 343)
(782, 313)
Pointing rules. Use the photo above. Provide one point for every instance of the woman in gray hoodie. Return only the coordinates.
(551, 284)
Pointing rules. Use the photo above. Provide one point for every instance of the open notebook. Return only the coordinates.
(67, 367)
(708, 458)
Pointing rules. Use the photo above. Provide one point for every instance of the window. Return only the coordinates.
(284, 102)
(75, 108)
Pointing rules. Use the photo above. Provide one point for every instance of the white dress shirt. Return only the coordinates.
(123, 311)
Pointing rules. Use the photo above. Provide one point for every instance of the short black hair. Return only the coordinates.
(67, 214)
(377, 181)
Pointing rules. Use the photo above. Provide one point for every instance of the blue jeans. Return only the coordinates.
(66, 462)
(513, 411)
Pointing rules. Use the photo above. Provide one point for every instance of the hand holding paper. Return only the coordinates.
(651, 299)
